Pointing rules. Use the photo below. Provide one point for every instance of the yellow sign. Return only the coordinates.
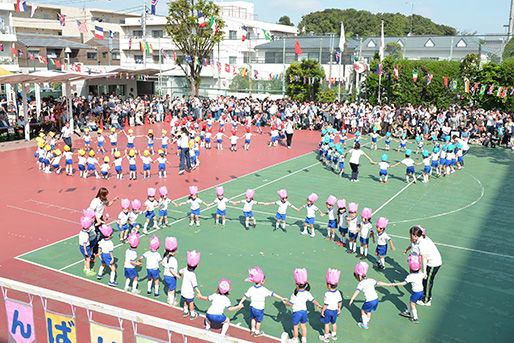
(60, 328)
(105, 334)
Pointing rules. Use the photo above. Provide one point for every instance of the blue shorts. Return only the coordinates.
(150, 145)
(258, 315)
(106, 259)
(369, 306)
(164, 146)
(403, 145)
(387, 142)
(162, 166)
(443, 161)
(415, 296)
(258, 124)
(221, 212)
(274, 139)
(41, 160)
(146, 167)
(248, 214)
(195, 212)
(118, 169)
(130, 273)
(207, 140)
(218, 141)
(353, 236)
(193, 159)
(364, 240)
(85, 142)
(100, 144)
(247, 141)
(343, 230)
(330, 317)
(216, 318)
(460, 159)
(427, 169)
(149, 214)
(280, 216)
(332, 224)
(299, 317)
(171, 282)
(123, 227)
(46, 161)
(410, 170)
(56, 166)
(104, 172)
(68, 162)
(86, 253)
(188, 300)
(91, 166)
(114, 143)
(82, 167)
(382, 172)
(309, 221)
(374, 140)
(132, 167)
(130, 145)
(453, 162)
(163, 213)
(381, 250)
(36, 155)
(435, 164)
(341, 165)
(153, 274)
(197, 153)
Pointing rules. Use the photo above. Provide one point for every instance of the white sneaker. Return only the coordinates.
(313, 234)
(191, 223)
(198, 224)
(145, 231)
(323, 338)
(126, 289)
(333, 335)
(428, 303)
(304, 232)
(136, 291)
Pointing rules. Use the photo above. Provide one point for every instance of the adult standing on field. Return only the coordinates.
(355, 155)
(289, 128)
(98, 205)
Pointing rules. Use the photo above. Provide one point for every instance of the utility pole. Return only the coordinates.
(283, 66)
(332, 34)
(320, 49)
(143, 24)
(511, 20)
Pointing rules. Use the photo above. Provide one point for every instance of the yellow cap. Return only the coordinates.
(40, 144)
(164, 132)
(160, 151)
(150, 131)
(132, 152)
(146, 153)
(197, 139)
(130, 131)
(51, 134)
(82, 152)
(91, 153)
(113, 129)
(48, 147)
(191, 144)
(100, 131)
(66, 148)
(57, 152)
(41, 134)
(39, 139)
(106, 159)
(86, 129)
(117, 154)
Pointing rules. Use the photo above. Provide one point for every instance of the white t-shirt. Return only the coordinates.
(383, 165)
(113, 137)
(332, 213)
(66, 131)
(117, 162)
(383, 238)
(83, 237)
(219, 303)
(222, 203)
(133, 217)
(342, 220)
(355, 155)
(195, 203)
(106, 245)
(163, 203)
(82, 161)
(105, 167)
(353, 224)
(146, 159)
(153, 258)
(123, 217)
(408, 162)
(169, 263)
(299, 301)
(257, 295)
(248, 205)
(130, 256)
(92, 160)
(311, 210)
(365, 229)
(416, 281)
(151, 204)
(428, 248)
(233, 139)
(188, 283)
(367, 286)
(98, 206)
(332, 299)
(282, 206)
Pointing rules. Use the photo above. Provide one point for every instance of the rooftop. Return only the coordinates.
(50, 41)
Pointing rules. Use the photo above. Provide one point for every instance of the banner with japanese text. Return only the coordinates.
(105, 334)
(20, 322)
(60, 328)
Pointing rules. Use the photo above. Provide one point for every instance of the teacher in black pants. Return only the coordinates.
(98, 205)
(289, 128)
(355, 155)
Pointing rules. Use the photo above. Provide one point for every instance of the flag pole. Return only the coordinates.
(283, 66)
(160, 67)
(143, 24)
(381, 55)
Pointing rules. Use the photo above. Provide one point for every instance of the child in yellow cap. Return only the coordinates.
(131, 157)
(104, 168)
(68, 160)
(82, 163)
(101, 140)
(117, 165)
(56, 161)
(91, 165)
(147, 164)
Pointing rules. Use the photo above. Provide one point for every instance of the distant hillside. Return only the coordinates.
(364, 23)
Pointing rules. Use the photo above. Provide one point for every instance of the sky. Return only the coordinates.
(481, 16)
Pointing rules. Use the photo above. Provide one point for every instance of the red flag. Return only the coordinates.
(297, 48)
(174, 56)
(227, 67)
(446, 81)
(396, 73)
(14, 51)
(57, 64)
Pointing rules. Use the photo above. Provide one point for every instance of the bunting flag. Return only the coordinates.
(112, 33)
(379, 69)
(104, 333)
(76, 68)
(396, 73)
(82, 26)
(31, 57)
(491, 88)
(466, 86)
(188, 59)
(33, 10)
(415, 75)
(99, 32)
(499, 91)
(227, 68)
(142, 46)
(267, 35)
(297, 48)
(57, 324)
(429, 78)
(52, 62)
(446, 81)
(21, 6)
(57, 64)
(512, 91)
(205, 62)
(174, 55)
(201, 19)
(20, 53)
(42, 60)
(149, 48)
(62, 19)
(2, 47)
(130, 43)
(245, 33)
(338, 57)
(454, 84)
(213, 26)
(475, 87)
(482, 89)
(13, 50)
(244, 72)
(504, 93)
(163, 53)
(154, 5)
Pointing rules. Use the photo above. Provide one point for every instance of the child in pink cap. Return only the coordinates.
(311, 213)
(195, 202)
(257, 294)
(221, 202)
(219, 302)
(153, 258)
(247, 207)
(134, 214)
(366, 231)
(282, 204)
(123, 220)
(131, 261)
(332, 303)
(332, 218)
(164, 202)
(170, 264)
(84, 244)
(367, 286)
(298, 301)
(342, 217)
(354, 225)
(150, 205)
(105, 249)
(190, 285)
(382, 239)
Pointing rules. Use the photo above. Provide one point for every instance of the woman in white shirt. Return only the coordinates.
(356, 154)
(289, 131)
(98, 205)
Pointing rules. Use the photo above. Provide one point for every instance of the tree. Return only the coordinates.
(285, 20)
(394, 49)
(508, 51)
(300, 90)
(195, 42)
(244, 84)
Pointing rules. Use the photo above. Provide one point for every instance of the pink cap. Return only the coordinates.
(90, 213)
(219, 191)
(422, 229)
(133, 239)
(361, 268)
(125, 204)
(106, 230)
(163, 190)
(136, 204)
(171, 243)
(333, 276)
(193, 190)
(282, 193)
(341, 203)
(313, 197)
(353, 207)
(256, 275)
(224, 286)
(331, 200)
(155, 242)
(300, 276)
(366, 212)
(250, 193)
(382, 222)
(151, 192)
(86, 222)
(414, 262)
(193, 258)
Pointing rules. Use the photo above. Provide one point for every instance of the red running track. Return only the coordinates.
(30, 220)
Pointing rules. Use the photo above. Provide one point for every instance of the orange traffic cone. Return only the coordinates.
(101, 124)
(125, 123)
(146, 120)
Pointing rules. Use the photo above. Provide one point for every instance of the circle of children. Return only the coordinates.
(351, 225)
(441, 160)
(200, 133)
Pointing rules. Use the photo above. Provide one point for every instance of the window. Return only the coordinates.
(232, 35)
(461, 44)
(157, 33)
(249, 35)
(429, 43)
(51, 53)
(246, 58)
(155, 58)
(272, 57)
(137, 33)
(91, 55)
(290, 57)
(104, 54)
(138, 59)
(232, 60)
(115, 55)
(371, 44)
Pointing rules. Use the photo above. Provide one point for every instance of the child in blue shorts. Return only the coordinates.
(170, 265)
(332, 218)
(382, 240)
(84, 245)
(105, 249)
(153, 258)
(131, 261)
(123, 220)
(332, 303)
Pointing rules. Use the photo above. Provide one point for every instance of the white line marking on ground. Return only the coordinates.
(394, 196)
(42, 214)
(47, 204)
